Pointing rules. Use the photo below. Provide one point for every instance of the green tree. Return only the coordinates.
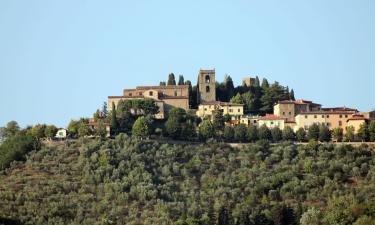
(277, 134)
(38, 131)
(228, 133)
(172, 127)
(218, 120)
(162, 83)
(237, 99)
(206, 130)
(142, 128)
(349, 135)
(257, 82)
(50, 131)
(181, 80)
(227, 118)
(101, 130)
(288, 134)
(264, 133)
(105, 109)
(9, 130)
(229, 87)
(301, 134)
(324, 134)
(363, 132)
(171, 79)
(371, 130)
(312, 216)
(252, 133)
(114, 122)
(240, 132)
(338, 134)
(313, 132)
(292, 95)
(84, 130)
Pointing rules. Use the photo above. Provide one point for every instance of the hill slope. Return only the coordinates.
(125, 181)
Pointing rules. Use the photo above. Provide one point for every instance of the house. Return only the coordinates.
(290, 109)
(356, 121)
(272, 121)
(62, 133)
(206, 109)
(249, 120)
(93, 124)
(165, 97)
(332, 119)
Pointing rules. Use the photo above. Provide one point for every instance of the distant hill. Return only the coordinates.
(126, 181)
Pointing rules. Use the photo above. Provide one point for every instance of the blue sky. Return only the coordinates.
(61, 59)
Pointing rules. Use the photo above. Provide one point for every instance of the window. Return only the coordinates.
(340, 116)
(130, 94)
(327, 116)
(207, 89)
(328, 124)
(340, 123)
(175, 93)
(271, 122)
(346, 116)
(230, 110)
(151, 93)
(255, 121)
(322, 116)
(306, 117)
(315, 116)
(239, 110)
(283, 113)
(290, 113)
(139, 93)
(207, 79)
(205, 109)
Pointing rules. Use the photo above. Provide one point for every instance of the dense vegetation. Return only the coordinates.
(127, 181)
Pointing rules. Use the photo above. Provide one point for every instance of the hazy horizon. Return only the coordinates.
(60, 60)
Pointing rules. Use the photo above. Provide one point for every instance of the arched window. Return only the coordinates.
(207, 79)
(207, 89)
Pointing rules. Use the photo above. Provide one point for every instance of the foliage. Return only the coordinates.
(363, 132)
(313, 132)
(128, 181)
(50, 131)
(206, 130)
(324, 133)
(264, 133)
(142, 127)
(301, 134)
(372, 130)
(252, 133)
(288, 134)
(228, 133)
(277, 134)
(171, 79)
(338, 134)
(240, 132)
(349, 135)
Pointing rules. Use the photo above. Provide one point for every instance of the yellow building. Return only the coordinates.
(165, 97)
(249, 120)
(272, 121)
(356, 121)
(205, 109)
(290, 109)
(331, 119)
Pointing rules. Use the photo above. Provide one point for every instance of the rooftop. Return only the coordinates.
(221, 103)
(272, 117)
(298, 102)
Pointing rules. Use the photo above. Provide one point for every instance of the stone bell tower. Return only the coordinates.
(206, 86)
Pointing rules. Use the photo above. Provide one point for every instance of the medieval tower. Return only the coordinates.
(206, 86)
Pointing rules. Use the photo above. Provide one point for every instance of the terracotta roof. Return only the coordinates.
(326, 112)
(333, 109)
(174, 97)
(162, 87)
(272, 117)
(221, 103)
(94, 123)
(298, 102)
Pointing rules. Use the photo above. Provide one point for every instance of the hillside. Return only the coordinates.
(125, 181)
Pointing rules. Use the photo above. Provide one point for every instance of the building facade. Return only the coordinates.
(206, 109)
(290, 109)
(206, 86)
(165, 97)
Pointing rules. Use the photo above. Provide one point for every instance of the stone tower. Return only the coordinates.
(206, 86)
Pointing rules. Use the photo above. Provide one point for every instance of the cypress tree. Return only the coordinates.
(292, 95)
(171, 79)
(181, 80)
(114, 122)
(265, 83)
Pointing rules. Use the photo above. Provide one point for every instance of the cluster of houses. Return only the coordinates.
(295, 114)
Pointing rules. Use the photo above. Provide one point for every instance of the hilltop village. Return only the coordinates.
(209, 98)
